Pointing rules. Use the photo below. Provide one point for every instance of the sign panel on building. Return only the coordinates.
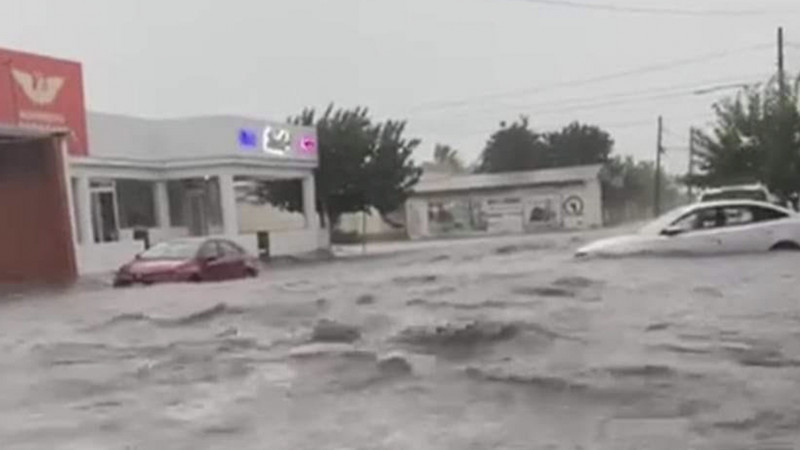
(38, 92)
(279, 141)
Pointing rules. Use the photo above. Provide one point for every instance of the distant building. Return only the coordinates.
(513, 202)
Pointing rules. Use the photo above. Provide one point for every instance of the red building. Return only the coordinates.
(42, 118)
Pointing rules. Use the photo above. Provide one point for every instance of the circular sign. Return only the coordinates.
(573, 206)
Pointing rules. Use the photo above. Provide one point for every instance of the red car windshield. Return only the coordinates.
(172, 250)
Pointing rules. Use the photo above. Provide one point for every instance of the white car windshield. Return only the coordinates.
(172, 250)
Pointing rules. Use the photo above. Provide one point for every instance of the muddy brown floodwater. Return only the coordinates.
(483, 344)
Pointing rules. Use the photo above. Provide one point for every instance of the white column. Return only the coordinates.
(230, 212)
(162, 203)
(310, 202)
(83, 204)
(73, 221)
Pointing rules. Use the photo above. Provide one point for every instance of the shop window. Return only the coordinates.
(195, 204)
(136, 204)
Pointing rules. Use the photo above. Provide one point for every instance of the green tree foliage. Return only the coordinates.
(756, 138)
(628, 190)
(512, 148)
(361, 165)
(578, 145)
(447, 158)
(518, 147)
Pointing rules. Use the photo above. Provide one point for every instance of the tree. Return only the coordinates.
(519, 148)
(447, 158)
(628, 190)
(361, 165)
(756, 139)
(513, 148)
(390, 172)
(578, 145)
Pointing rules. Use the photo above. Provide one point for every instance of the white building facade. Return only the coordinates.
(505, 203)
(179, 177)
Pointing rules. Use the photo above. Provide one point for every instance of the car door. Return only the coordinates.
(696, 232)
(212, 265)
(741, 232)
(233, 260)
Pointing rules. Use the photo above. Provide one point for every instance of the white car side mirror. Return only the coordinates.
(672, 231)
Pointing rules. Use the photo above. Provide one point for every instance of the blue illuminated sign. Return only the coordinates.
(248, 139)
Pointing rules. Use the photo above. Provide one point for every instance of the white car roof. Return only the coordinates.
(735, 202)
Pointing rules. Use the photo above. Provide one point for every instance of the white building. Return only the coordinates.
(178, 177)
(514, 202)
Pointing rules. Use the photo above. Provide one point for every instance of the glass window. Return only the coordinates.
(136, 204)
(737, 215)
(210, 250)
(230, 249)
(172, 250)
(768, 214)
(176, 193)
(699, 220)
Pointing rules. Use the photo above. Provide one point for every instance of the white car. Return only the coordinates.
(708, 228)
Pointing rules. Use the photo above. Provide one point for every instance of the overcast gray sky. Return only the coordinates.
(453, 68)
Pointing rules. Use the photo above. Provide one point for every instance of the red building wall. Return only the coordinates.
(35, 239)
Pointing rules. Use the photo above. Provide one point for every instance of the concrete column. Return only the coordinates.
(83, 204)
(310, 202)
(230, 212)
(162, 203)
(73, 220)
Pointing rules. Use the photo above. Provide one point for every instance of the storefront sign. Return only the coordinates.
(573, 206)
(277, 141)
(43, 93)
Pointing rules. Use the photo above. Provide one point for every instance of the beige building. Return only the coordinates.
(505, 203)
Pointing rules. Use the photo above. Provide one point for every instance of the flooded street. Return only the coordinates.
(502, 343)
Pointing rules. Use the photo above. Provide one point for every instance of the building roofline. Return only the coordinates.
(456, 183)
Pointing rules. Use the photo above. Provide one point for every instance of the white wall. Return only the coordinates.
(354, 223)
(106, 257)
(590, 194)
(119, 136)
(254, 218)
(296, 242)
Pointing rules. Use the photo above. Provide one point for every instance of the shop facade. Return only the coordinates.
(123, 182)
(506, 203)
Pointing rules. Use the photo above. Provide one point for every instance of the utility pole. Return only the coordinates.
(781, 71)
(691, 161)
(659, 150)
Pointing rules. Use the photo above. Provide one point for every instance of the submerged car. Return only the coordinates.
(709, 228)
(192, 259)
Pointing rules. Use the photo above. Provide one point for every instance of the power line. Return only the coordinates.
(578, 103)
(610, 7)
(659, 67)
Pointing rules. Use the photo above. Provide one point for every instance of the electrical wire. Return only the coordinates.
(578, 103)
(659, 67)
(616, 8)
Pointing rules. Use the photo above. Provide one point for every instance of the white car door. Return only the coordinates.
(694, 233)
(752, 228)
(741, 232)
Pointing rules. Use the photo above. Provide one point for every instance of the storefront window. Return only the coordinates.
(136, 204)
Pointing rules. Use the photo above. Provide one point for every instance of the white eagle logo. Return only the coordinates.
(39, 89)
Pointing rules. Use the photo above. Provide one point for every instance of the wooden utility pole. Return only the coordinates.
(781, 70)
(690, 172)
(657, 187)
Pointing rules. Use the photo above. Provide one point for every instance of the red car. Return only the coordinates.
(192, 259)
